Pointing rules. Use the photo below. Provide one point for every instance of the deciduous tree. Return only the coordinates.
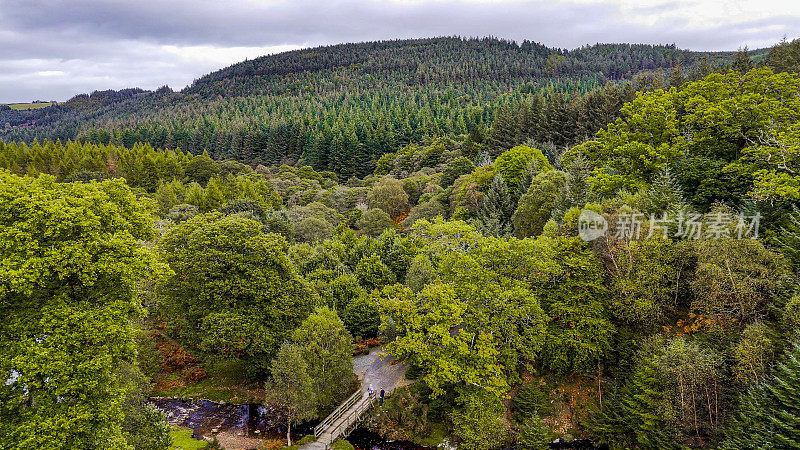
(291, 388)
(69, 266)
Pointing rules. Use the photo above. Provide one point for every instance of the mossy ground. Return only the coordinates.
(182, 439)
(225, 382)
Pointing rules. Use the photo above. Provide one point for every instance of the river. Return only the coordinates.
(206, 418)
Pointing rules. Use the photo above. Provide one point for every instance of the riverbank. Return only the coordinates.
(241, 426)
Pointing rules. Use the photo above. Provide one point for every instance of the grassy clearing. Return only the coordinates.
(182, 439)
(342, 445)
(437, 436)
(23, 106)
(225, 382)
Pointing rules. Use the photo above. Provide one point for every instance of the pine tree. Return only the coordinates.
(676, 78)
(533, 435)
(742, 62)
(494, 216)
(503, 134)
(531, 400)
(789, 237)
(577, 185)
(769, 414)
(665, 193)
(642, 407)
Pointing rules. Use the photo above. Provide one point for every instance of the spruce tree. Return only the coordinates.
(741, 61)
(578, 191)
(497, 207)
(784, 407)
(665, 193)
(769, 414)
(503, 134)
(643, 404)
(789, 237)
(533, 435)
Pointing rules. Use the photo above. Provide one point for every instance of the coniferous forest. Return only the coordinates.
(341, 107)
(600, 243)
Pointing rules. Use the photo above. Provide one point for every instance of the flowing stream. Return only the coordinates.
(363, 439)
(206, 418)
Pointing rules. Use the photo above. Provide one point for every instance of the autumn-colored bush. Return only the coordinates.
(177, 360)
(193, 374)
(175, 357)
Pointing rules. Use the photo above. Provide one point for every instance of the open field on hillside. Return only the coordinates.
(24, 106)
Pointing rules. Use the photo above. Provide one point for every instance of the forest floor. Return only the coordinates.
(230, 441)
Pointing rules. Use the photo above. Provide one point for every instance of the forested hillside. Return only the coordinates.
(565, 251)
(341, 107)
(129, 270)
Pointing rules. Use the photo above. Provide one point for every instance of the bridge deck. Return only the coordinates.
(382, 373)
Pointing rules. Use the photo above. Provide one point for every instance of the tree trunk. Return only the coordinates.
(694, 412)
(599, 387)
(289, 434)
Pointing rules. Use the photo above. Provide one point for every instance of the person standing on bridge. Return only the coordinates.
(369, 390)
(380, 398)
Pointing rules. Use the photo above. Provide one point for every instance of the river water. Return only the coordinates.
(205, 418)
(363, 439)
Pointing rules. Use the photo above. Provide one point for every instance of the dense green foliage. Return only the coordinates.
(461, 250)
(144, 426)
(743, 125)
(69, 266)
(326, 347)
(313, 371)
(234, 292)
(769, 416)
(291, 388)
(341, 107)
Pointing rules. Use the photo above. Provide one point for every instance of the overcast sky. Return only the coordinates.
(54, 49)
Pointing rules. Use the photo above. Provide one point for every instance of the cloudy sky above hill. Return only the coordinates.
(54, 49)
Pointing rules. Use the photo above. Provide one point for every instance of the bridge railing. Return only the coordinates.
(338, 412)
(351, 419)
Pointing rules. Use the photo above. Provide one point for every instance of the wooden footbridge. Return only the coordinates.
(382, 372)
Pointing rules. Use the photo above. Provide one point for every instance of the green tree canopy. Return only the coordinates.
(234, 291)
(69, 266)
(478, 421)
(291, 387)
(747, 121)
(388, 195)
(737, 278)
(326, 347)
(514, 164)
(546, 192)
